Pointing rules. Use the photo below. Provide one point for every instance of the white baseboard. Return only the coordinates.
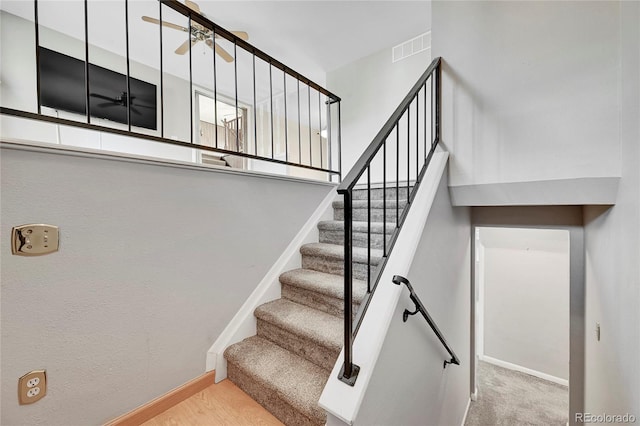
(522, 369)
(466, 412)
(474, 395)
(243, 324)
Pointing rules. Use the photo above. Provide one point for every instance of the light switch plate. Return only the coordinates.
(34, 239)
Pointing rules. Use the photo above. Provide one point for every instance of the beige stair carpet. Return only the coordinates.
(299, 337)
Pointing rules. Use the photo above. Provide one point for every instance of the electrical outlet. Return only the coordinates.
(32, 387)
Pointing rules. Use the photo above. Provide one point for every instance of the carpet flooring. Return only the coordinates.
(511, 398)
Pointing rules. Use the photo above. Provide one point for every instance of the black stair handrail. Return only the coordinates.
(398, 280)
(418, 153)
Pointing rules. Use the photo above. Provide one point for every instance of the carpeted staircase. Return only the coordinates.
(286, 365)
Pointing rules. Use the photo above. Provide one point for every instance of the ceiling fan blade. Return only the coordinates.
(240, 34)
(223, 53)
(184, 47)
(107, 104)
(165, 24)
(106, 98)
(192, 5)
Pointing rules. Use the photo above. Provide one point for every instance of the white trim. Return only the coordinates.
(344, 401)
(466, 412)
(525, 370)
(474, 395)
(243, 324)
(51, 148)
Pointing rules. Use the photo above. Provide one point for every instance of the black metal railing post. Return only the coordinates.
(349, 371)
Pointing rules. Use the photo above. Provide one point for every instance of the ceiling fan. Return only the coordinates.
(121, 100)
(198, 33)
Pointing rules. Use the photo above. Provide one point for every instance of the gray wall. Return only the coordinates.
(526, 298)
(410, 386)
(612, 246)
(530, 89)
(154, 261)
(371, 89)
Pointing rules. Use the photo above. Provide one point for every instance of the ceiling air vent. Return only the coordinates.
(411, 47)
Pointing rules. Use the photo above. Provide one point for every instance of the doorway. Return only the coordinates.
(513, 349)
(522, 280)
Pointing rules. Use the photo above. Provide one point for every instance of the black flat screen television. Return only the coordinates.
(62, 87)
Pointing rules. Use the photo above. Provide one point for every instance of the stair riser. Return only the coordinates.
(359, 239)
(335, 266)
(316, 300)
(286, 413)
(321, 356)
(377, 215)
(377, 193)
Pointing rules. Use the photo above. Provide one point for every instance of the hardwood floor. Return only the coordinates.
(221, 404)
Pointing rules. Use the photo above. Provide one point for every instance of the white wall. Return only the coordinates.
(409, 386)
(530, 89)
(371, 89)
(612, 243)
(526, 298)
(154, 261)
(547, 90)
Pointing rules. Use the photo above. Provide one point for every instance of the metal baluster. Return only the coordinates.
(408, 149)
(417, 136)
(255, 114)
(235, 74)
(37, 42)
(438, 94)
(271, 110)
(86, 60)
(425, 123)
(397, 173)
(369, 228)
(339, 143)
(286, 127)
(126, 27)
(299, 129)
(320, 124)
(309, 102)
(161, 75)
(384, 197)
(190, 83)
(215, 92)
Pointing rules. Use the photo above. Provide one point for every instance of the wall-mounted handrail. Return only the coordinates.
(410, 111)
(398, 280)
(196, 20)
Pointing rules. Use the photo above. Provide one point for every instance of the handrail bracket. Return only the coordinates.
(398, 280)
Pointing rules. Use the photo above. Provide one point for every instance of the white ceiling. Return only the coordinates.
(312, 37)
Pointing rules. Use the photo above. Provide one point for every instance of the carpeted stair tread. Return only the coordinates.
(311, 324)
(357, 226)
(336, 252)
(328, 284)
(281, 374)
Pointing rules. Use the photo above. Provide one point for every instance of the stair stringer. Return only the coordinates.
(244, 323)
(338, 399)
